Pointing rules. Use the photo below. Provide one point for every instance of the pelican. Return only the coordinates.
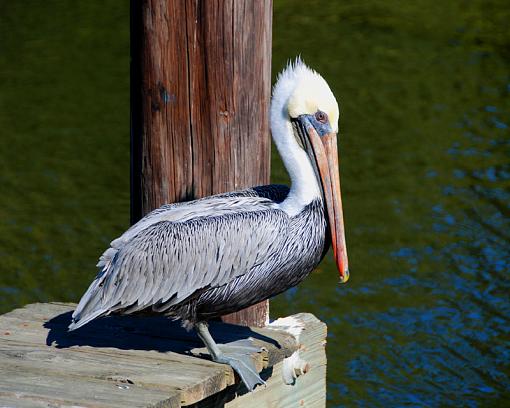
(205, 258)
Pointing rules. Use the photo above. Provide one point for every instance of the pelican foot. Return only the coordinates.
(242, 363)
(237, 354)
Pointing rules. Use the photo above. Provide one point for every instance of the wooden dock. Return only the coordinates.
(152, 361)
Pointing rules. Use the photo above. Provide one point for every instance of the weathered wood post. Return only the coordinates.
(200, 89)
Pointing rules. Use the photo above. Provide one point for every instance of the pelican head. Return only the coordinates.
(304, 125)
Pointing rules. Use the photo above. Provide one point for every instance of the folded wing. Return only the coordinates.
(180, 249)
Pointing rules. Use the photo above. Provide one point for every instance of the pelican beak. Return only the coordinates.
(324, 152)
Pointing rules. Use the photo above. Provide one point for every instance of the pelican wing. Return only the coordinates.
(181, 249)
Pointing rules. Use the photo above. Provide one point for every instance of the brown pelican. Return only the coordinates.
(205, 258)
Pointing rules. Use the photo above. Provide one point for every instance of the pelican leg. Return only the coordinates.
(237, 356)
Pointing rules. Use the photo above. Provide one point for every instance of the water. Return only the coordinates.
(425, 147)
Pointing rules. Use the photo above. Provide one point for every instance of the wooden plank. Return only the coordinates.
(58, 391)
(201, 81)
(134, 351)
(160, 375)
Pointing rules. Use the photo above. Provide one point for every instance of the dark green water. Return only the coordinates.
(425, 154)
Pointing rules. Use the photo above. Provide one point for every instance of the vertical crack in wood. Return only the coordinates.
(234, 113)
(190, 189)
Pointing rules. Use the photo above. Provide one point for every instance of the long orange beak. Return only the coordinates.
(326, 155)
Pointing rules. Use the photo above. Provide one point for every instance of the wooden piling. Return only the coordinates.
(200, 91)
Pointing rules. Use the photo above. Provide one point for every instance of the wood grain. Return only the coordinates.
(200, 91)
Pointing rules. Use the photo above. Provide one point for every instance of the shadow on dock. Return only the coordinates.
(141, 333)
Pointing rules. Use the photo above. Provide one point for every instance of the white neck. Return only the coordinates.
(304, 187)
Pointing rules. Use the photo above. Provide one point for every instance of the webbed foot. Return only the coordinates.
(243, 365)
(237, 354)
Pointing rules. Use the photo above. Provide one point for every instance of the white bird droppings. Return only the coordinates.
(289, 324)
(293, 367)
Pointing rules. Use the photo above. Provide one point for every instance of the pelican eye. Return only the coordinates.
(321, 117)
